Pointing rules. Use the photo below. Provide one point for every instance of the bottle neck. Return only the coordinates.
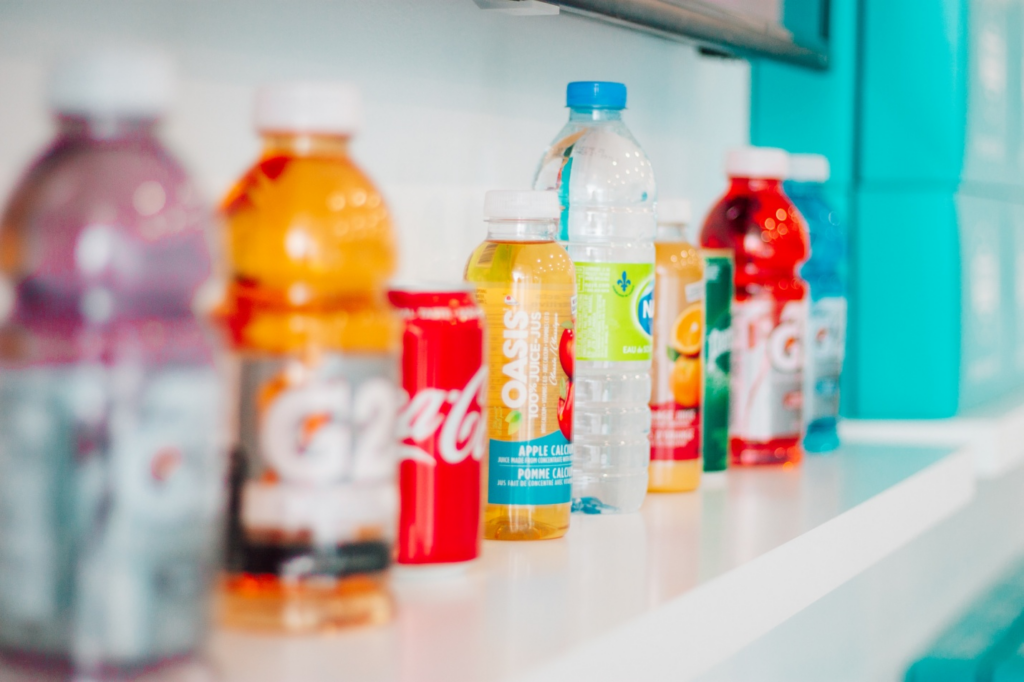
(305, 144)
(591, 114)
(521, 230)
(671, 232)
(802, 188)
(744, 185)
(104, 127)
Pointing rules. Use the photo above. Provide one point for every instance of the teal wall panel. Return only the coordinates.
(922, 119)
(984, 239)
(785, 99)
(907, 333)
(913, 92)
(1013, 289)
(992, 90)
(806, 111)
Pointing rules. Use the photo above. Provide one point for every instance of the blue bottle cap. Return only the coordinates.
(595, 95)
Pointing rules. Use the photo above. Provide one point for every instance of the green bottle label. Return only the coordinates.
(718, 291)
(615, 309)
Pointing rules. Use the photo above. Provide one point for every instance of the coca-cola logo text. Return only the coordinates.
(450, 422)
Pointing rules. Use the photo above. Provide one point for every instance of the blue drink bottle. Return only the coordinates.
(825, 273)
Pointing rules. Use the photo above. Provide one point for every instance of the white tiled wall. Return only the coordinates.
(458, 100)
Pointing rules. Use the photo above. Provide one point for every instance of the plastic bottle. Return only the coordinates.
(313, 492)
(678, 342)
(527, 289)
(767, 236)
(825, 274)
(111, 475)
(606, 187)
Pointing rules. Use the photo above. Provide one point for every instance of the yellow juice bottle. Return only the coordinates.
(312, 485)
(676, 365)
(526, 286)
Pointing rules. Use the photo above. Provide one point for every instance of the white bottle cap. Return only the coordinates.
(327, 108)
(808, 168)
(674, 212)
(514, 204)
(121, 82)
(757, 162)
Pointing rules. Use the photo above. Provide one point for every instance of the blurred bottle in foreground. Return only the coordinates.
(768, 239)
(111, 471)
(313, 495)
(527, 289)
(824, 272)
(678, 337)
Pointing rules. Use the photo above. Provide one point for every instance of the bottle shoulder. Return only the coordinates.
(529, 262)
(307, 185)
(122, 212)
(598, 164)
(757, 226)
(76, 175)
(319, 223)
(678, 257)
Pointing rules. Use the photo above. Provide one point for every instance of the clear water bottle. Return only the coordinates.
(111, 473)
(825, 272)
(606, 187)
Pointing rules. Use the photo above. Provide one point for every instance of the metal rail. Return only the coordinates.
(717, 30)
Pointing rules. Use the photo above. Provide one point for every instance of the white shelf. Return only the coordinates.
(876, 625)
(668, 592)
(995, 434)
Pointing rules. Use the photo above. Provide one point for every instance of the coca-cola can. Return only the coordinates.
(441, 428)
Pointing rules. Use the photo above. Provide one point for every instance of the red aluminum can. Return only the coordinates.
(441, 428)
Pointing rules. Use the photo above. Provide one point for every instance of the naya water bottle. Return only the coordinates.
(824, 272)
(606, 187)
(111, 470)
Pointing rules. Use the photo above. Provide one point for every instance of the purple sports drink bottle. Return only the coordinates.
(110, 451)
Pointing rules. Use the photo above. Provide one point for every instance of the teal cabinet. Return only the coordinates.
(921, 118)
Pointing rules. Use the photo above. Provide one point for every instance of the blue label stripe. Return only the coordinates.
(531, 472)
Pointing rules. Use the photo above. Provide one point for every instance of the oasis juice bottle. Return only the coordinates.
(313, 497)
(527, 288)
(678, 337)
(768, 239)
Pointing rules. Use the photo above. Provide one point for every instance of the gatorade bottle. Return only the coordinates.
(767, 236)
(606, 187)
(678, 342)
(111, 475)
(527, 289)
(826, 324)
(313, 495)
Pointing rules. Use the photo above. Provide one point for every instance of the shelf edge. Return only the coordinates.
(692, 633)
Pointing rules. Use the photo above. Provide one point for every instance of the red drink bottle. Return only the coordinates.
(768, 238)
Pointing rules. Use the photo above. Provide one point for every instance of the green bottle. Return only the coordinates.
(718, 266)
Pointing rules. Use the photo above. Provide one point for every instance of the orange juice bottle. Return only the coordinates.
(313, 498)
(678, 339)
(526, 286)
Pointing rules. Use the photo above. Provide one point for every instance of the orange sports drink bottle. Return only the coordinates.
(312, 487)
(758, 223)
(678, 338)
(526, 286)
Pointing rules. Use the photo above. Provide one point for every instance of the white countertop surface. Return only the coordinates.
(663, 594)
